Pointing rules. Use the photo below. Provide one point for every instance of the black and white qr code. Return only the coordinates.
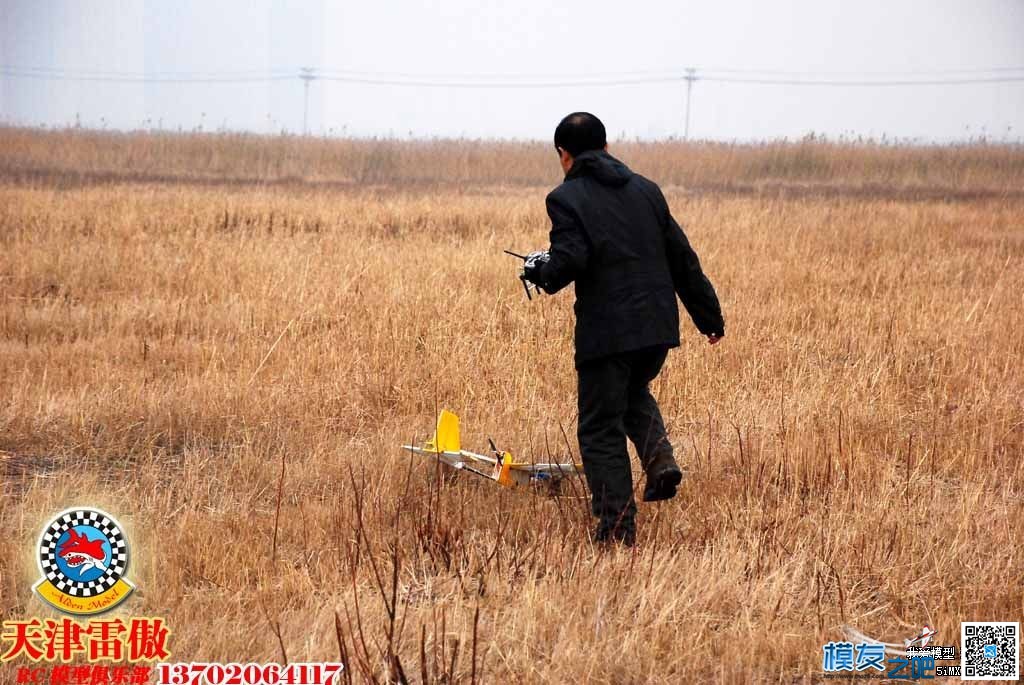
(990, 650)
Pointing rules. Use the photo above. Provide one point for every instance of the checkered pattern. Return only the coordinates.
(101, 523)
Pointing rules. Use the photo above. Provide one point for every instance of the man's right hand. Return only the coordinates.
(712, 339)
(533, 264)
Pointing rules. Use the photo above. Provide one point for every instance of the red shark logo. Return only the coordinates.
(79, 550)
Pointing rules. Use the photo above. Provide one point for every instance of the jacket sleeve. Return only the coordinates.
(693, 287)
(569, 252)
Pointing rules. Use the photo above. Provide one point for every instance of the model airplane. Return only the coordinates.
(446, 447)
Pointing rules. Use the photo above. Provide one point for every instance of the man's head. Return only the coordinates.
(577, 133)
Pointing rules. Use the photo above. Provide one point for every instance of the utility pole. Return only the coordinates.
(307, 75)
(691, 76)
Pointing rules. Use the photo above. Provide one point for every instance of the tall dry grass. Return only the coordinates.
(166, 347)
(73, 156)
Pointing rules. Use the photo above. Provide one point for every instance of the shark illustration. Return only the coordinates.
(78, 551)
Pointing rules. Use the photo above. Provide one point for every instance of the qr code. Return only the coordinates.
(991, 650)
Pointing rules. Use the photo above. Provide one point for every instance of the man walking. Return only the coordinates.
(613, 235)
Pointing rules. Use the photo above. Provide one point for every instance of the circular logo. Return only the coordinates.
(83, 556)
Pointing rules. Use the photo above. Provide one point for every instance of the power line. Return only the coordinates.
(689, 75)
(121, 79)
(861, 74)
(445, 83)
(869, 83)
(310, 74)
(669, 72)
(149, 73)
(130, 78)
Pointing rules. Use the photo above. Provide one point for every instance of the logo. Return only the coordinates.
(83, 556)
(914, 659)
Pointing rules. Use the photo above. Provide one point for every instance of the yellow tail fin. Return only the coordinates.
(502, 470)
(446, 436)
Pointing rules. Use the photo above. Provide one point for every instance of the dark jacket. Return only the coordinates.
(613, 234)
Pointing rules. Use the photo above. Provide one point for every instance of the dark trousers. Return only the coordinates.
(615, 402)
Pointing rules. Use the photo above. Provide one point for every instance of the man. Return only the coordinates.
(613, 235)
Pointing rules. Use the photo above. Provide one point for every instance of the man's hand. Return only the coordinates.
(712, 339)
(532, 266)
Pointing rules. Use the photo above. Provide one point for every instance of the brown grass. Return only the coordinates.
(166, 348)
(74, 157)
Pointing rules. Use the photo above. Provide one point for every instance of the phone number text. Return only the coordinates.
(247, 674)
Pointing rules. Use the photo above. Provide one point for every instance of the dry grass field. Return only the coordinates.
(182, 317)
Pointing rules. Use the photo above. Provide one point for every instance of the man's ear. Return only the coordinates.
(606, 147)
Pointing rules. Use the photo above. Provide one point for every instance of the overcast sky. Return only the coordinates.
(521, 41)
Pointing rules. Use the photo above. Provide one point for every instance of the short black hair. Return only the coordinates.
(579, 132)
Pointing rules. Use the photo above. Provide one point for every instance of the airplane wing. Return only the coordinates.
(474, 463)
(891, 648)
(446, 446)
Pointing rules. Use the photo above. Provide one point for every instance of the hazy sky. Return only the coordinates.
(517, 41)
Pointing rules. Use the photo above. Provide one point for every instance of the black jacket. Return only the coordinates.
(613, 234)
